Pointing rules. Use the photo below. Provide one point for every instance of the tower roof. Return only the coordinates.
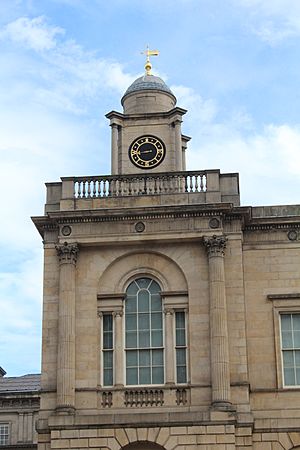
(148, 83)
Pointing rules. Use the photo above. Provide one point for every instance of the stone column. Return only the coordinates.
(220, 375)
(169, 344)
(119, 352)
(114, 149)
(178, 145)
(67, 254)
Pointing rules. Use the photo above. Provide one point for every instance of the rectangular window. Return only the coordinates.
(107, 349)
(4, 433)
(180, 346)
(290, 347)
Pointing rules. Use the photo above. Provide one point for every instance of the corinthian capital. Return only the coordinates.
(215, 245)
(67, 253)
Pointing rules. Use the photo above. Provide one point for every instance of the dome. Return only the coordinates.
(148, 82)
(157, 96)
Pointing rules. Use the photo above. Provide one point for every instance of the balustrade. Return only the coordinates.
(134, 185)
(144, 397)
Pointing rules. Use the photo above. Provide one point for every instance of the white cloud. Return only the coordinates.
(34, 33)
(68, 77)
(199, 108)
(273, 20)
(268, 162)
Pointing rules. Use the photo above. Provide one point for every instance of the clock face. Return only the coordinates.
(147, 152)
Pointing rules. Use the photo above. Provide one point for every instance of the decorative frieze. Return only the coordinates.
(19, 403)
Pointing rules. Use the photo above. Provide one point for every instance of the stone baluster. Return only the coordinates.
(67, 254)
(119, 352)
(169, 340)
(220, 374)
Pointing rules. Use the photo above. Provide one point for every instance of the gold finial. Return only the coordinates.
(148, 53)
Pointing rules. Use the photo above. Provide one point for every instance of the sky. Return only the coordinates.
(233, 64)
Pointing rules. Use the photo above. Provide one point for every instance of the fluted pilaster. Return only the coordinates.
(119, 352)
(67, 254)
(169, 340)
(220, 373)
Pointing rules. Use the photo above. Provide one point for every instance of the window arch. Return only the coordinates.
(144, 351)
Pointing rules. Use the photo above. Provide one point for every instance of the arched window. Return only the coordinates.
(144, 333)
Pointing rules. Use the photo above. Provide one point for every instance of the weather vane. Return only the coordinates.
(148, 53)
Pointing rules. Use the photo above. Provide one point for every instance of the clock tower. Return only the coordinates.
(146, 136)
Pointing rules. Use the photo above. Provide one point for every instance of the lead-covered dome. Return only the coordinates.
(148, 93)
(147, 82)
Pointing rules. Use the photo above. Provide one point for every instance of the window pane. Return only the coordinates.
(131, 321)
(180, 319)
(130, 304)
(286, 323)
(180, 357)
(107, 340)
(297, 357)
(156, 321)
(144, 321)
(145, 375)
(157, 375)
(298, 376)
(132, 376)
(287, 339)
(144, 339)
(289, 377)
(157, 338)
(296, 322)
(157, 357)
(181, 374)
(156, 303)
(296, 339)
(154, 288)
(143, 282)
(180, 337)
(131, 339)
(143, 301)
(132, 289)
(107, 322)
(132, 358)
(288, 359)
(144, 357)
(108, 377)
(107, 359)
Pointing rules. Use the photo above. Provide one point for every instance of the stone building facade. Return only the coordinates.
(19, 407)
(171, 314)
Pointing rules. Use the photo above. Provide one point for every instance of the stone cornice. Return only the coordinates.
(274, 224)
(118, 115)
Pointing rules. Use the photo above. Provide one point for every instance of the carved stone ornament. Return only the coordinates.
(214, 223)
(67, 253)
(66, 230)
(215, 245)
(139, 227)
(292, 235)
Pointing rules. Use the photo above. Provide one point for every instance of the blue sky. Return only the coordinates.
(234, 64)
